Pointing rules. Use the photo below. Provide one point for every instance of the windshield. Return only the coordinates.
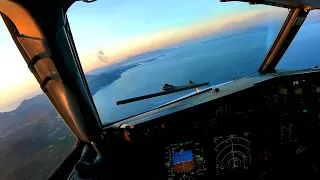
(132, 48)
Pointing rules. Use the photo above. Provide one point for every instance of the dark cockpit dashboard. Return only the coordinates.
(259, 127)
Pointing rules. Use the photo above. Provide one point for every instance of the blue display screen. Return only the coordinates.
(181, 157)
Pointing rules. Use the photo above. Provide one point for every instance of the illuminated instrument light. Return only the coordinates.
(298, 91)
(126, 136)
(283, 91)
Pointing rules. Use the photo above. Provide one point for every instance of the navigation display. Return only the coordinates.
(182, 161)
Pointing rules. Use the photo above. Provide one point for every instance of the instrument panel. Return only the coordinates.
(229, 156)
(242, 156)
(268, 131)
(282, 145)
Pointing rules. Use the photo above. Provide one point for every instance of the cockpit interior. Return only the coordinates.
(263, 126)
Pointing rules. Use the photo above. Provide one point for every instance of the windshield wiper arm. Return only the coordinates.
(166, 89)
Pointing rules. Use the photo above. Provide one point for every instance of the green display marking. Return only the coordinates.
(181, 150)
(305, 111)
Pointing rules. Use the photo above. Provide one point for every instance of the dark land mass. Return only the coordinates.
(97, 82)
(34, 140)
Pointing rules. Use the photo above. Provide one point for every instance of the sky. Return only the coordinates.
(123, 28)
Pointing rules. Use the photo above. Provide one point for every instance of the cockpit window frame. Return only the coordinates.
(290, 28)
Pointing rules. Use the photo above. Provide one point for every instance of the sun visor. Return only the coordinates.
(40, 62)
(34, 46)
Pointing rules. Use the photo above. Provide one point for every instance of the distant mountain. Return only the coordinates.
(33, 104)
(29, 110)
